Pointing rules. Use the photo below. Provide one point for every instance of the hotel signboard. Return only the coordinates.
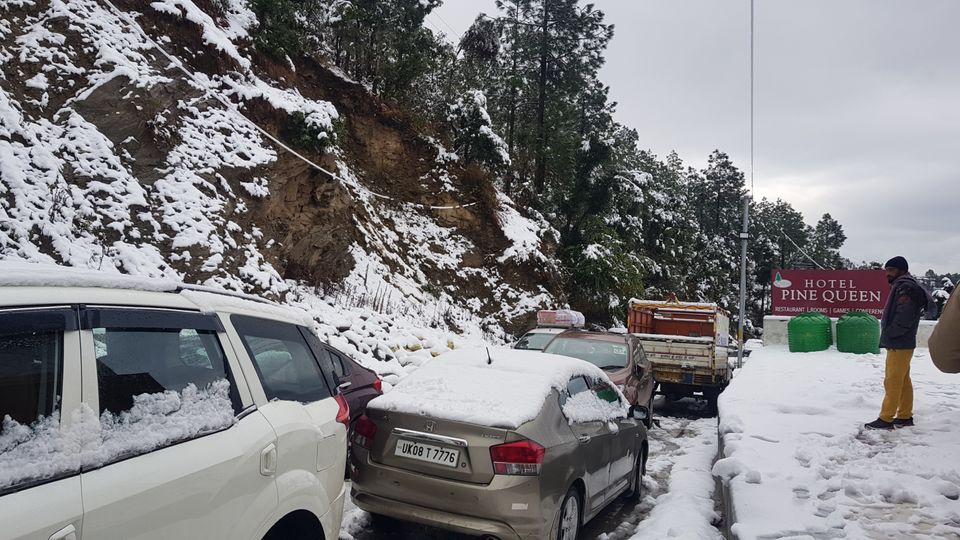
(831, 292)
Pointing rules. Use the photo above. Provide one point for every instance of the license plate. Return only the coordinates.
(428, 453)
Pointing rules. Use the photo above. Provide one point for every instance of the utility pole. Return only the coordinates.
(744, 239)
(745, 234)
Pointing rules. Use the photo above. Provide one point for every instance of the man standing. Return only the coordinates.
(898, 335)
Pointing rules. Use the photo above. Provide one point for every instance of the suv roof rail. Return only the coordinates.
(224, 292)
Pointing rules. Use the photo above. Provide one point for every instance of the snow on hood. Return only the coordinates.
(462, 387)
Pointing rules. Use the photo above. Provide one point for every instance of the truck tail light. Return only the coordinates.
(521, 458)
(343, 414)
(378, 385)
(364, 432)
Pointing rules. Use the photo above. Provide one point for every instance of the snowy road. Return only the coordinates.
(685, 441)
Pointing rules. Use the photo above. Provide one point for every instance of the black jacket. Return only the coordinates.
(901, 316)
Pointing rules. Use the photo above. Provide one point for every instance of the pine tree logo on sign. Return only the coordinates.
(781, 283)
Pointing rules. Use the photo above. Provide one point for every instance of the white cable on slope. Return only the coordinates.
(233, 108)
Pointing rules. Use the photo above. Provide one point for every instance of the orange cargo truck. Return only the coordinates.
(687, 343)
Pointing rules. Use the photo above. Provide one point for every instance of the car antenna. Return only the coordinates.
(489, 358)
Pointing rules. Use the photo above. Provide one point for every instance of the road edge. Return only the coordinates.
(727, 515)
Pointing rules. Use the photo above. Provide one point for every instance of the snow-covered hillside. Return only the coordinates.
(131, 142)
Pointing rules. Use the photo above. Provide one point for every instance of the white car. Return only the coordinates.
(134, 409)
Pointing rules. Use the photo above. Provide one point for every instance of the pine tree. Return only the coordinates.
(827, 239)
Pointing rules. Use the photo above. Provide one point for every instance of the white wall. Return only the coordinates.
(775, 331)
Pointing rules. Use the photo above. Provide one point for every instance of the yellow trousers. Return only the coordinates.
(898, 388)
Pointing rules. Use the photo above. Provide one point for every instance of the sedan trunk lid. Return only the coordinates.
(436, 447)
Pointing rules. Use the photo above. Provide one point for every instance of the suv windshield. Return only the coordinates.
(534, 340)
(603, 354)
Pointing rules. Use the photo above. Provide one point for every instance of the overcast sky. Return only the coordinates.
(857, 105)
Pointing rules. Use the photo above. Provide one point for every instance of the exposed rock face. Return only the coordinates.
(111, 157)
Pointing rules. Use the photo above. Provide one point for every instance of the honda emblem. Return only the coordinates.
(430, 426)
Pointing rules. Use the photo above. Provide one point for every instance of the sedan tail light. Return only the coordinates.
(364, 432)
(343, 414)
(378, 385)
(521, 458)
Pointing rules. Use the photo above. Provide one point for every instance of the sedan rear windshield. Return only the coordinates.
(603, 354)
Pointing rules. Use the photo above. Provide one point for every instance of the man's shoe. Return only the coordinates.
(879, 424)
(903, 422)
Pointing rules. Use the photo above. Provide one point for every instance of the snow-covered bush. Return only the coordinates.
(472, 128)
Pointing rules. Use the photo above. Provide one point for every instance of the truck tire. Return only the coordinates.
(712, 395)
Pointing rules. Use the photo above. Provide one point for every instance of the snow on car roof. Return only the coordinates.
(461, 386)
(552, 330)
(26, 274)
(207, 299)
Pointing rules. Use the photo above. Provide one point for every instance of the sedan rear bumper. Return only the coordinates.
(507, 507)
(434, 518)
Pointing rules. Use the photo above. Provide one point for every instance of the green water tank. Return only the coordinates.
(858, 333)
(809, 332)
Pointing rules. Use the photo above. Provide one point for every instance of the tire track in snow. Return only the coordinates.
(672, 440)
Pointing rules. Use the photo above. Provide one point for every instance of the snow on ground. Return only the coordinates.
(525, 235)
(798, 463)
(686, 509)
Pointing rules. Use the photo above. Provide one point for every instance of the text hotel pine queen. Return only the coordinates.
(831, 292)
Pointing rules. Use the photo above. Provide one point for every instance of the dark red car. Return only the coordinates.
(357, 384)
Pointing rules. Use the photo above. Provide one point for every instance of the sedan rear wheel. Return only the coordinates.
(569, 516)
(648, 421)
(636, 482)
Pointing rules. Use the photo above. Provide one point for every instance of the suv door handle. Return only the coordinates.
(67, 533)
(584, 439)
(268, 460)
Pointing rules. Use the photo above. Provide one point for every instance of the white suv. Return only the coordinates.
(145, 411)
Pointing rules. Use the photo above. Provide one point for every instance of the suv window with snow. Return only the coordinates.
(162, 378)
(31, 363)
(284, 362)
(31, 371)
